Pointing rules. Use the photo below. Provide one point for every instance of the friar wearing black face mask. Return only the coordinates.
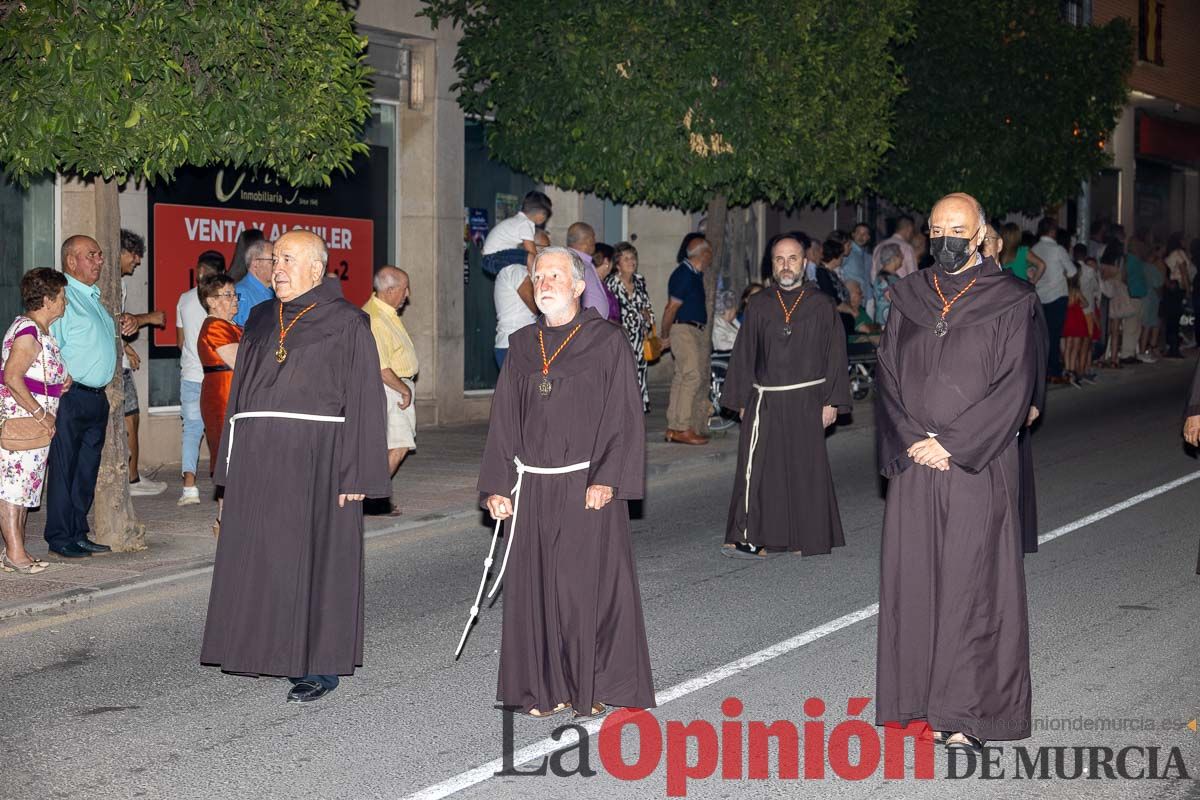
(956, 375)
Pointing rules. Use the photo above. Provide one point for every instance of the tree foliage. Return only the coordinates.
(1006, 101)
(138, 88)
(672, 103)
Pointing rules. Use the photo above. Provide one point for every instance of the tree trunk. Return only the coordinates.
(116, 523)
(714, 231)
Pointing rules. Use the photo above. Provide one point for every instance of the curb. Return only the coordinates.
(77, 597)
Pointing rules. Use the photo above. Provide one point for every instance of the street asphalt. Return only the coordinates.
(109, 701)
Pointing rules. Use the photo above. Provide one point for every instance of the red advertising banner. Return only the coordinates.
(183, 232)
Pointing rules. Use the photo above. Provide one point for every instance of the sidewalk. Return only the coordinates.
(435, 483)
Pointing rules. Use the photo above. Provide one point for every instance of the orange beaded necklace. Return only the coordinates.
(281, 353)
(942, 326)
(545, 387)
(787, 312)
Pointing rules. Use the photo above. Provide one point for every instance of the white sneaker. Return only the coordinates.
(1146, 358)
(146, 487)
(190, 496)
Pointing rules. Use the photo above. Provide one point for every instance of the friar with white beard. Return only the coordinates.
(788, 377)
(565, 452)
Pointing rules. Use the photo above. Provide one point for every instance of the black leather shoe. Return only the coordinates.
(307, 691)
(70, 551)
(92, 547)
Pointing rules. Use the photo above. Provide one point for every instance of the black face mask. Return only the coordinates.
(950, 252)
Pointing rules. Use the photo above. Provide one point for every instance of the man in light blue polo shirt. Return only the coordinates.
(87, 336)
(255, 287)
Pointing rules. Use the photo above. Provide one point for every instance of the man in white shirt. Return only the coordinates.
(1052, 292)
(1097, 240)
(513, 296)
(902, 238)
(511, 241)
(189, 317)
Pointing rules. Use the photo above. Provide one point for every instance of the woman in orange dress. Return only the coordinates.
(217, 348)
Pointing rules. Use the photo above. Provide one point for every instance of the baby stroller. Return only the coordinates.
(863, 357)
(721, 419)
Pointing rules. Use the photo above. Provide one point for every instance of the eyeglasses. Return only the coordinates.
(226, 294)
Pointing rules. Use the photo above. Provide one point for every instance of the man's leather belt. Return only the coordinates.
(86, 388)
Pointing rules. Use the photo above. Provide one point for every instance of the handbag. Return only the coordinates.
(24, 433)
(652, 348)
(1121, 305)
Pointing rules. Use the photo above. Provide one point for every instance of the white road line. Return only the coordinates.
(1116, 507)
(546, 746)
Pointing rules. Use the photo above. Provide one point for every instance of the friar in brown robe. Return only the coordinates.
(955, 381)
(568, 401)
(1191, 423)
(305, 439)
(1028, 492)
(788, 377)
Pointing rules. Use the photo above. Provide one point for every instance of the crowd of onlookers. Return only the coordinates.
(59, 356)
(1111, 301)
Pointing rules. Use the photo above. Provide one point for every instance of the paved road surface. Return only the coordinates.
(109, 702)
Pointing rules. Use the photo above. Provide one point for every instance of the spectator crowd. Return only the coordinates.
(1113, 301)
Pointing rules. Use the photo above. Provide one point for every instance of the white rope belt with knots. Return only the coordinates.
(512, 530)
(279, 414)
(754, 436)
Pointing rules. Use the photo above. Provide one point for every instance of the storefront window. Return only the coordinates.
(26, 238)
(207, 208)
(492, 193)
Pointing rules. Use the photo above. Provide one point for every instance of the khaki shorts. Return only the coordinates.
(401, 423)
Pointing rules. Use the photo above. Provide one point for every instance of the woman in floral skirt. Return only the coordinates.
(34, 380)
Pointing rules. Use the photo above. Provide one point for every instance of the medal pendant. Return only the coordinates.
(545, 387)
(941, 328)
(787, 331)
(281, 354)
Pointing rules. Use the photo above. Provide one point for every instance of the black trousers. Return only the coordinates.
(1196, 312)
(1056, 316)
(74, 463)
(1172, 310)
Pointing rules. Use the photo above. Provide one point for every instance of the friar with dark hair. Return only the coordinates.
(787, 377)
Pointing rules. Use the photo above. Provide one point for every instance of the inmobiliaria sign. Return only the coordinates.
(208, 209)
(633, 745)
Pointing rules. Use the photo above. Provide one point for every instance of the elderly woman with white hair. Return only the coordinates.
(726, 324)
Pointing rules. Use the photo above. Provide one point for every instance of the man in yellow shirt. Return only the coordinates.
(397, 361)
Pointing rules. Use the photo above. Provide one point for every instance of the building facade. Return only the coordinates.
(408, 205)
(1153, 185)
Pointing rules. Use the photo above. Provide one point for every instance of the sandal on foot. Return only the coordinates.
(743, 550)
(32, 568)
(216, 529)
(940, 737)
(537, 713)
(597, 710)
(965, 741)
